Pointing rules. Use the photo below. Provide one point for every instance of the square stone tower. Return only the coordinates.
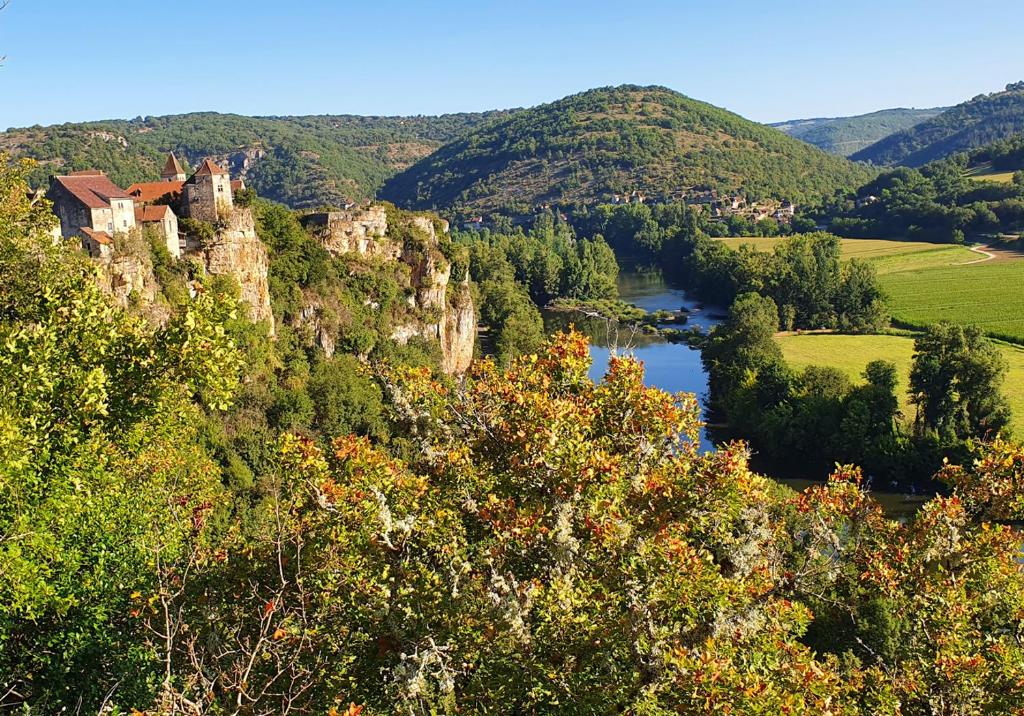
(207, 194)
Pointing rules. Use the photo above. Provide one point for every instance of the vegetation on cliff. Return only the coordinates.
(587, 147)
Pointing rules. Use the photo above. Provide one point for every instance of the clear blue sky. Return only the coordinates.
(72, 60)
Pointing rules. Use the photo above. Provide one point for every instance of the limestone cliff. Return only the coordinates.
(440, 310)
(128, 277)
(237, 251)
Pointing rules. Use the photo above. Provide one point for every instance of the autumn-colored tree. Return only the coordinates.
(556, 546)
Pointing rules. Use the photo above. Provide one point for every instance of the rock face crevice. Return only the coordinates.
(445, 309)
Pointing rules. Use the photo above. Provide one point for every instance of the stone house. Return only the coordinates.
(207, 194)
(164, 222)
(89, 200)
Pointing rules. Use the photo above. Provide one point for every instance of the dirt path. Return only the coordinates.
(987, 255)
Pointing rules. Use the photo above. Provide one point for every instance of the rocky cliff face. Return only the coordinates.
(446, 310)
(128, 277)
(237, 251)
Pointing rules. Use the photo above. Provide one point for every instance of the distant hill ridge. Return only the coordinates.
(969, 125)
(617, 140)
(300, 161)
(848, 135)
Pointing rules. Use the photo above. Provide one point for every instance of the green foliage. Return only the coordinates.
(971, 124)
(804, 276)
(584, 148)
(518, 272)
(939, 202)
(846, 135)
(103, 483)
(955, 382)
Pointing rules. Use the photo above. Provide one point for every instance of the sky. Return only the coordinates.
(75, 60)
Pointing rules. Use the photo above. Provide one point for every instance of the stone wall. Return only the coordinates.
(72, 215)
(208, 197)
(122, 214)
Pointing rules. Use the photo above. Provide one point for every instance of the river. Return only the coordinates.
(676, 367)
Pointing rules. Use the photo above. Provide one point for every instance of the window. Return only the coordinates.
(110, 226)
(125, 222)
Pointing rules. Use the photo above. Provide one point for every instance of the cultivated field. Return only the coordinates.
(851, 354)
(989, 294)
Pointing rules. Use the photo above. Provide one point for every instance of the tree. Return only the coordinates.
(551, 542)
(955, 382)
(742, 345)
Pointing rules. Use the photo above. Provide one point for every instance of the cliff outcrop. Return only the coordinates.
(441, 309)
(237, 251)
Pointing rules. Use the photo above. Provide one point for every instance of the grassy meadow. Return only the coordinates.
(851, 354)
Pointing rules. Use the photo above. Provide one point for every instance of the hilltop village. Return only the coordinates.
(90, 206)
(108, 221)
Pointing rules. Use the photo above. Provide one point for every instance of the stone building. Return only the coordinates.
(207, 194)
(89, 200)
(164, 221)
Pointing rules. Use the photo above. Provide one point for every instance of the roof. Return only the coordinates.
(92, 188)
(207, 168)
(100, 237)
(237, 185)
(152, 190)
(150, 214)
(172, 167)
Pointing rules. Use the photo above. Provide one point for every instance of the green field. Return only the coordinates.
(985, 173)
(989, 294)
(851, 354)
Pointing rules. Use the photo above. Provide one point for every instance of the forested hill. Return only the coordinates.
(300, 161)
(590, 146)
(977, 122)
(847, 135)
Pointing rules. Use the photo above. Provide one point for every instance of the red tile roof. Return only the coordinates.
(207, 168)
(149, 214)
(152, 190)
(100, 237)
(93, 189)
(237, 185)
(172, 167)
